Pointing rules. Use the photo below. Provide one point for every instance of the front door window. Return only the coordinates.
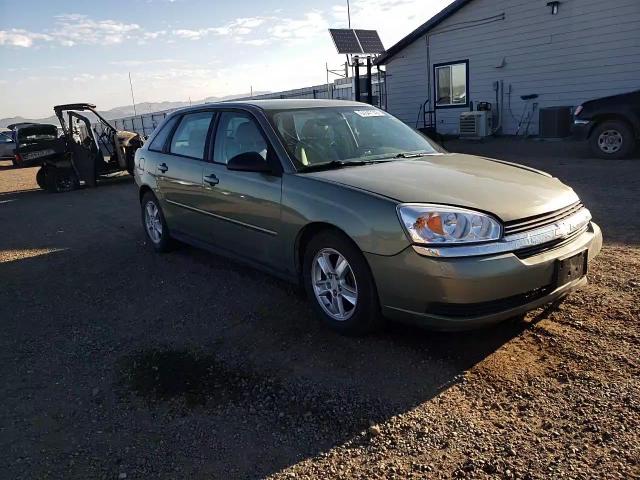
(238, 133)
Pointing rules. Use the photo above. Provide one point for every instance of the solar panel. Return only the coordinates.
(345, 40)
(369, 41)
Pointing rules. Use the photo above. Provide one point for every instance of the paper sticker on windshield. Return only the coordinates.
(370, 113)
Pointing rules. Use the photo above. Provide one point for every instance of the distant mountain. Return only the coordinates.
(127, 111)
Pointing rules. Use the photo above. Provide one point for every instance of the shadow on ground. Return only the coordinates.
(184, 361)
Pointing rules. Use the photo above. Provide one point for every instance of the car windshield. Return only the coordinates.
(354, 135)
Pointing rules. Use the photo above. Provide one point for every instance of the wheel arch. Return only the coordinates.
(606, 117)
(305, 235)
(143, 191)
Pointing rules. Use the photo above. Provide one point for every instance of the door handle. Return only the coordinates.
(163, 167)
(211, 179)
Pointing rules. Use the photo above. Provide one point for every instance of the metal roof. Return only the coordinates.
(422, 30)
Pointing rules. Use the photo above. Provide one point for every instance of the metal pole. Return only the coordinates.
(356, 65)
(132, 97)
(326, 66)
(349, 13)
(369, 82)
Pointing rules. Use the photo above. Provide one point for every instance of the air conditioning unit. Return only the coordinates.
(475, 124)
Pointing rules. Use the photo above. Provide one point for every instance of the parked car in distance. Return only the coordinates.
(610, 124)
(7, 146)
(374, 219)
(34, 143)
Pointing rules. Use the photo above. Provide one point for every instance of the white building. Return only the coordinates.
(565, 52)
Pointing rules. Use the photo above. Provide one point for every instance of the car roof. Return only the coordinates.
(276, 104)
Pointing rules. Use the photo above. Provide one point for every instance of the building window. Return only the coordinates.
(452, 84)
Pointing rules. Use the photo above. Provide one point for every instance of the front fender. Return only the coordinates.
(369, 220)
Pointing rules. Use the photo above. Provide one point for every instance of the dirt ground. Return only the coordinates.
(117, 363)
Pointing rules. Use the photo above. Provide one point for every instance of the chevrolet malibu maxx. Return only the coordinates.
(373, 218)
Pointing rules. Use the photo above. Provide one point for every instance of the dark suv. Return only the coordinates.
(611, 124)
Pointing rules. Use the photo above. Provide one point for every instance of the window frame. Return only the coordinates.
(205, 153)
(436, 66)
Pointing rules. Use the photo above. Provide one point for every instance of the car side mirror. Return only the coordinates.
(248, 162)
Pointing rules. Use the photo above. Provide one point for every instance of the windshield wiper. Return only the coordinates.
(412, 154)
(336, 164)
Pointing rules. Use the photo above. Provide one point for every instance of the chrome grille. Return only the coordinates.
(537, 221)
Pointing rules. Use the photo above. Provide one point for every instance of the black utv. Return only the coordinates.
(87, 151)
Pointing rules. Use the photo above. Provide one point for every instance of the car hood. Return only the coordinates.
(620, 97)
(506, 190)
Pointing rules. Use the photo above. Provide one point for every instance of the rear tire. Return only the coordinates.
(154, 223)
(612, 139)
(348, 290)
(41, 178)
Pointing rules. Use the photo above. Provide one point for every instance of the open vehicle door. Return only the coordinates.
(91, 150)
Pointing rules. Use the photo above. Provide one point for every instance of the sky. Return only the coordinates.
(54, 52)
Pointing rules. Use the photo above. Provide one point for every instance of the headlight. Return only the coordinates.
(577, 111)
(429, 224)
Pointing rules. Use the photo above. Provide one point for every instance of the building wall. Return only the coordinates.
(589, 49)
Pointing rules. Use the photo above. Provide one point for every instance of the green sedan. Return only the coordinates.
(373, 218)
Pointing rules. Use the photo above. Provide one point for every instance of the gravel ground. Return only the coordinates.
(119, 363)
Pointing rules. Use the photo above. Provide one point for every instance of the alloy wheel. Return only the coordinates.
(152, 222)
(334, 284)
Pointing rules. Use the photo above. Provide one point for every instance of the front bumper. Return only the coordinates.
(580, 129)
(470, 292)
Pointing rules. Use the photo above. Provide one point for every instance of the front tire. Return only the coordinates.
(154, 223)
(60, 180)
(340, 285)
(612, 139)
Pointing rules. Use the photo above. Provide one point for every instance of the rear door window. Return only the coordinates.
(160, 140)
(190, 137)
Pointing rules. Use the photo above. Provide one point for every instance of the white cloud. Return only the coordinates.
(153, 35)
(137, 63)
(191, 34)
(74, 29)
(312, 24)
(236, 28)
(240, 26)
(18, 37)
(256, 42)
